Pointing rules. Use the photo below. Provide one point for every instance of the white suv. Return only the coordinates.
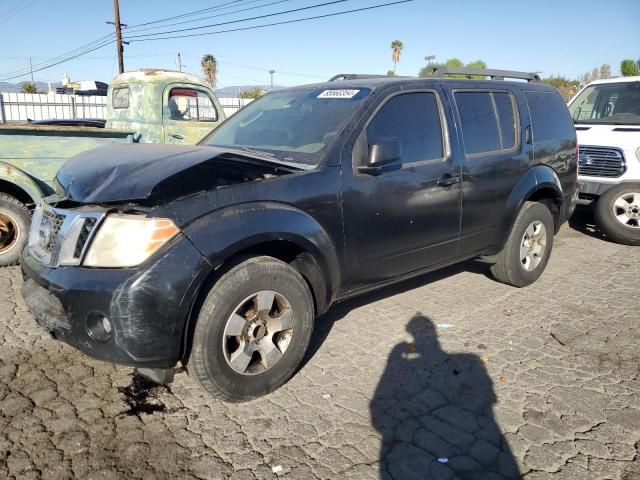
(606, 114)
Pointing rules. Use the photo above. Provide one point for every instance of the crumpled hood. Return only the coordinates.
(117, 173)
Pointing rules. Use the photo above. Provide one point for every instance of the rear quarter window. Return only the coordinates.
(120, 97)
(550, 119)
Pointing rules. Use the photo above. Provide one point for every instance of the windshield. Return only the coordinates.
(292, 125)
(614, 103)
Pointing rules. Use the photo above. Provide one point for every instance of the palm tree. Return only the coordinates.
(396, 50)
(209, 68)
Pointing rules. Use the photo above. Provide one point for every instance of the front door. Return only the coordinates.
(189, 114)
(402, 220)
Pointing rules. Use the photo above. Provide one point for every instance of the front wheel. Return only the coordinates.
(252, 331)
(528, 248)
(14, 229)
(617, 213)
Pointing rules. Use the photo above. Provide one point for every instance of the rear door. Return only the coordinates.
(495, 158)
(189, 114)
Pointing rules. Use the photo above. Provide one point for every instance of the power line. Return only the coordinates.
(66, 59)
(284, 12)
(137, 30)
(188, 14)
(61, 56)
(285, 22)
(16, 9)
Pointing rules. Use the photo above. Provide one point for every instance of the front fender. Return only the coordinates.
(225, 232)
(536, 179)
(22, 180)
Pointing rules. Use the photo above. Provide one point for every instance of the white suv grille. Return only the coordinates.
(601, 162)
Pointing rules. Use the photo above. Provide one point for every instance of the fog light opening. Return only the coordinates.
(99, 327)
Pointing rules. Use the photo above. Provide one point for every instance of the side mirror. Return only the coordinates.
(384, 154)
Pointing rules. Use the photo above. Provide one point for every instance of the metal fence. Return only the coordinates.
(22, 107)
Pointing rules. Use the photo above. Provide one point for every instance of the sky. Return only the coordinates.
(557, 37)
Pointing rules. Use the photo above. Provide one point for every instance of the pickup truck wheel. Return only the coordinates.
(527, 251)
(14, 229)
(252, 331)
(618, 213)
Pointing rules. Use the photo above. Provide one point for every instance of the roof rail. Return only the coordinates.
(354, 76)
(443, 70)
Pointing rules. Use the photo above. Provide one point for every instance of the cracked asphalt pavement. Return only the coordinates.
(451, 375)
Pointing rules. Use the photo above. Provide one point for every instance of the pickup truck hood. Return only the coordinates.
(118, 173)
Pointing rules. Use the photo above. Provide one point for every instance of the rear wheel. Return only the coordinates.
(527, 251)
(618, 213)
(14, 229)
(252, 331)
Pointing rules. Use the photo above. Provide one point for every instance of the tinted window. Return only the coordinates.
(479, 123)
(187, 104)
(550, 118)
(506, 118)
(120, 98)
(414, 119)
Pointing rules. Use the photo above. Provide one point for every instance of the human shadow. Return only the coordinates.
(434, 412)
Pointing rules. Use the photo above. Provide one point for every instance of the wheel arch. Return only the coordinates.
(19, 185)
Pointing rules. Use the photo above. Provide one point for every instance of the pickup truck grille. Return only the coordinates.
(601, 162)
(60, 237)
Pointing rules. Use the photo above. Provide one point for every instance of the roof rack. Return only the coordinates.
(443, 70)
(354, 76)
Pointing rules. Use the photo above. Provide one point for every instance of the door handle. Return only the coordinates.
(447, 180)
(176, 136)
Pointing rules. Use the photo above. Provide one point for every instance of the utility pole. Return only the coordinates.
(119, 42)
(31, 68)
(271, 72)
(179, 62)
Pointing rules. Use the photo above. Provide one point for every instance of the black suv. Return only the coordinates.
(221, 255)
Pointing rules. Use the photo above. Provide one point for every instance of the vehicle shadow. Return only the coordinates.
(337, 312)
(434, 411)
(583, 221)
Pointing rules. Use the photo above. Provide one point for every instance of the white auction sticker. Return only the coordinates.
(338, 94)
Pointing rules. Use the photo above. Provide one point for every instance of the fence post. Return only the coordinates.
(73, 107)
(3, 118)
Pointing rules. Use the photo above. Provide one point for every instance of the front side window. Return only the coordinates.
(186, 104)
(414, 119)
(489, 121)
(612, 103)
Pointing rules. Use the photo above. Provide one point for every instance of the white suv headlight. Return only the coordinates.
(128, 240)
(638, 154)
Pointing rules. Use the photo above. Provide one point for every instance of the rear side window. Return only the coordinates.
(414, 119)
(489, 121)
(550, 118)
(120, 97)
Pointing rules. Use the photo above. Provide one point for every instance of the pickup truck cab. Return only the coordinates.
(221, 255)
(147, 106)
(606, 114)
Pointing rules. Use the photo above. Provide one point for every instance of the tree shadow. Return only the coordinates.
(434, 412)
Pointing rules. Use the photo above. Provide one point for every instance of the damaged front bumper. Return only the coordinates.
(146, 308)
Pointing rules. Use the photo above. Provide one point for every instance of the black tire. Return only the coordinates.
(607, 221)
(207, 363)
(509, 267)
(14, 229)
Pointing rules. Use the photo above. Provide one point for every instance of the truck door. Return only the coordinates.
(406, 218)
(189, 114)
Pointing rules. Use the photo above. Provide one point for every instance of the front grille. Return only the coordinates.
(55, 221)
(601, 162)
(60, 237)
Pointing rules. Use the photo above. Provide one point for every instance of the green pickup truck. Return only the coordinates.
(146, 106)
